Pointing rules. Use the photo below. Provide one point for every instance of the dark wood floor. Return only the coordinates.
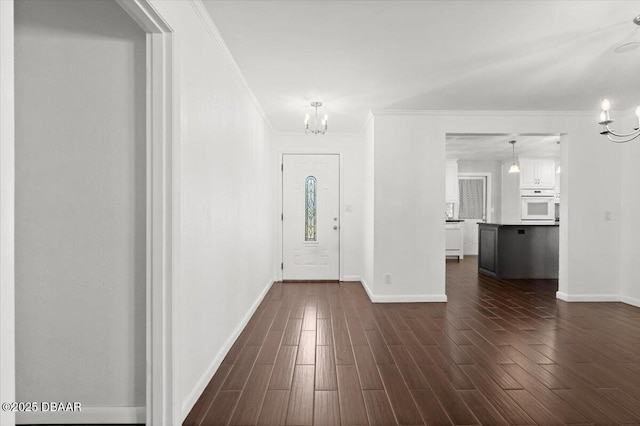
(499, 352)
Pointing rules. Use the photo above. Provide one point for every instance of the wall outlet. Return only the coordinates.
(387, 279)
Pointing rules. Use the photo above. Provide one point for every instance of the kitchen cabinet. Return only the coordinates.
(454, 239)
(452, 191)
(556, 192)
(537, 173)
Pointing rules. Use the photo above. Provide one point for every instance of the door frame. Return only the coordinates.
(488, 203)
(280, 205)
(162, 407)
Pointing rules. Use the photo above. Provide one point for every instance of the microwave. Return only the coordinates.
(538, 204)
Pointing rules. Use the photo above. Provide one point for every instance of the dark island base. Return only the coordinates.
(518, 251)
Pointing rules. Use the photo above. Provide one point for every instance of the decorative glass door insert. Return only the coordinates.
(310, 209)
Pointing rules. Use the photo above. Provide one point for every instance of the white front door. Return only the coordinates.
(473, 209)
(310, 217)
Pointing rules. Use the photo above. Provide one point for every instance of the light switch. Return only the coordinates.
(607, 216)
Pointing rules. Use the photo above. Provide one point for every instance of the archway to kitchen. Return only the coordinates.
(502, 208)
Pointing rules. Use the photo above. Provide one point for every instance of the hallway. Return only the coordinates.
(499, 352)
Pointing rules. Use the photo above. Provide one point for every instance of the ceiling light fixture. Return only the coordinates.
(323, 124)
(605, 120)
(514, 167)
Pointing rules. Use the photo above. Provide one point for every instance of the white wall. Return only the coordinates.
(510, 208)
(590, 165)
(226, 200)
(495, 169)
(7, 216)
(368, 243)
(630, 223)
(80, 205)
(409, 194)
(351, 150)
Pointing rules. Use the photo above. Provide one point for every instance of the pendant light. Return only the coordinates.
(514, 167)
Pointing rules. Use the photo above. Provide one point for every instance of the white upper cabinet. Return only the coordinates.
(537, 173)
(528, 177)
(452, 192)
(547, 173)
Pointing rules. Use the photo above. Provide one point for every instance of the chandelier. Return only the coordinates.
(605, 120)
(316, 130)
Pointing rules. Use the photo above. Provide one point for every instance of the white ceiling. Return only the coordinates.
(496, 147)
(432, 55)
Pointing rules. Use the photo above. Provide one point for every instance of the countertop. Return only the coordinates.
(528, 223)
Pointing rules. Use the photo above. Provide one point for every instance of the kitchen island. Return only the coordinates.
(518, 250)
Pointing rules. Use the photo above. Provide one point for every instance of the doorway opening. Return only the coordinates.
(156, 292)
(495, 217)
(81, 210)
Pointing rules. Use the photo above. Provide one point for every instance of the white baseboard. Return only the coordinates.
(588, 297)
(367, 289)
(192, 397)
(399, 298)
(598, 298)
(88, 415)
(409, 298)
(350, 278)
(631, 301)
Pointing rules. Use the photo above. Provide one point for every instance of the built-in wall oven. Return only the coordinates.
(538, 204)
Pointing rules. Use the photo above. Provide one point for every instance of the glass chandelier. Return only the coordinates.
(315, 129)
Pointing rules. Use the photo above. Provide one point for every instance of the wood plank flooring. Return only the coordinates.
(499, 352)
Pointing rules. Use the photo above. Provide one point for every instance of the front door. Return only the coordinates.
(473, 209)
(310, 217)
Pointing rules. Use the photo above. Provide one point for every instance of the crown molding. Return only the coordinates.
(146, 15)
(346, 135)
(408, 112)
(365, 123)
(630, 111)
(213, 31)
